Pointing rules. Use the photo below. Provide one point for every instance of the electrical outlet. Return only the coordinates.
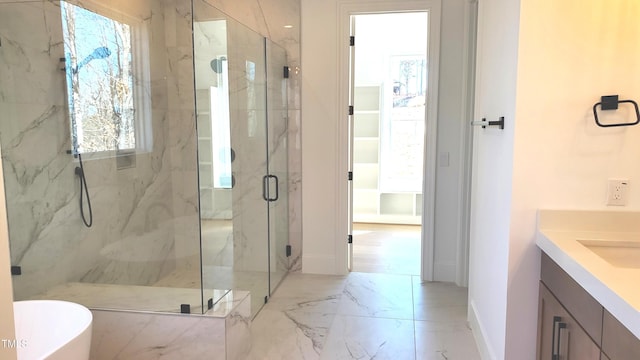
(618, 191)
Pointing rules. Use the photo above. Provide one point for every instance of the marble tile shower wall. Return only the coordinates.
(268, 18)
(131, 208)
(132, 212)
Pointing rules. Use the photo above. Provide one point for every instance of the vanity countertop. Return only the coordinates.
(562, 235)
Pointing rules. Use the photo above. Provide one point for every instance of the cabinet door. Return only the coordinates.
(617, 341)
(548, 318)
(560, 337)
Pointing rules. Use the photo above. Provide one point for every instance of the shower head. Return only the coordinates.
(102, 52)
(216, 64)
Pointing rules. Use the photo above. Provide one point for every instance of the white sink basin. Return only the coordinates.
(622, 254)
(52, 330)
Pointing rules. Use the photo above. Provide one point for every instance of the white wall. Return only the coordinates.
(320, 173)
(566, 54)
(7, 331)
(451, 126)
(319, 129)
(492, 172)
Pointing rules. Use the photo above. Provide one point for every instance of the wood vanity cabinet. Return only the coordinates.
(617, 341)
(573, 325)
(560, 336)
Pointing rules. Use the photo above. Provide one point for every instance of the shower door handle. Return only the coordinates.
(266, 181)
(265, 185)
(277, 188)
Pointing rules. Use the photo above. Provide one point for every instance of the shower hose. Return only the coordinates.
(84, 190)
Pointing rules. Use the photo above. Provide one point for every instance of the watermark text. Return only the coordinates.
(13, 343)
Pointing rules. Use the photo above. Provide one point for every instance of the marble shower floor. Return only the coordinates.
(363, 316)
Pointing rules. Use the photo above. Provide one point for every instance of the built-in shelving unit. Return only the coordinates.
(214, 203)
(370, 203)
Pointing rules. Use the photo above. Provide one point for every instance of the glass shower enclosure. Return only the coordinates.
(241, 97)
(144, 154)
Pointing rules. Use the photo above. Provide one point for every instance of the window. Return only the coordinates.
(107, 107)
(403, 130)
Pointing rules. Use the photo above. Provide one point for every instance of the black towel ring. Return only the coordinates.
(611, 102)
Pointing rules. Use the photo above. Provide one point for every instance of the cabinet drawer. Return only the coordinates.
(618, 343)
(559, 335)
(582, 306)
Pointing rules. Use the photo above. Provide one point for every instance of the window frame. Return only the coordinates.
(141, 93)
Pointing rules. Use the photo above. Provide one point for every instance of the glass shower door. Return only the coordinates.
(231, 93)
(277, 119)
(241, 99)
(248, 114)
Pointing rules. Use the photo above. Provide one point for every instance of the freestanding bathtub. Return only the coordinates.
(52, 330)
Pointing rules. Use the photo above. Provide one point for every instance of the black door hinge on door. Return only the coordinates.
(350, 239)
(350, 176)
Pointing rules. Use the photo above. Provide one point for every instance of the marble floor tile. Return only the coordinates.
(435, 301)
(363, 316)
(355, 337)
(295, 322)
(318, 304)
(438, 341)
(438, 293)
(288, 334)
(377, 295)
(309, 286)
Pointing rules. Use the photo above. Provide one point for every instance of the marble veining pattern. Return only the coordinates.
(223, 332)
(153, 205)
(388, 296)
(314, 317)
(145, 216)
(130, 335)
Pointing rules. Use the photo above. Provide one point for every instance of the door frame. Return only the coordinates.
(345, 10)
(469, 77)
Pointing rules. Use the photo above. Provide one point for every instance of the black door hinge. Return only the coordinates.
(286, 72)
(350, 176)
(350, 109)
(352, 41)
(16, 270)
(350, 239)
(288, 250)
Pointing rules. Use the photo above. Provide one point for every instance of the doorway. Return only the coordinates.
(388, 91)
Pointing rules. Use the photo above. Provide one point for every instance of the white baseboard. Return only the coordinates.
(318, 264)
(486, 353)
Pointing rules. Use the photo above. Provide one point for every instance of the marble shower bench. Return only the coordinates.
(159, 330)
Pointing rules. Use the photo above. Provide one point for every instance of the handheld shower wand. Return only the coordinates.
(102, 52)
(83, 186)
